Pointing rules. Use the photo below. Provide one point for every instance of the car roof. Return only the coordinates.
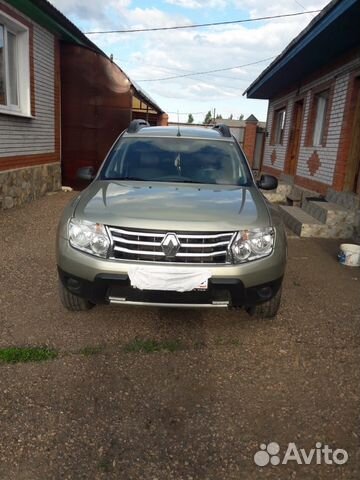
(181, 131)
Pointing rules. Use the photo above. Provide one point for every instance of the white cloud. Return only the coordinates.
(193, 4)
(152, 17)
(261, 8)
(90, 9)
(162, 54)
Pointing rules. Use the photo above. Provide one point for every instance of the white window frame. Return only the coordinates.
(322, 101)
(21, 32)
(280, 119)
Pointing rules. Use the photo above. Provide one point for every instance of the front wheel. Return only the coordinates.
(267, 309)
(73, 302)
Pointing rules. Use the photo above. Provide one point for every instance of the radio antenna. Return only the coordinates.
(178, 133)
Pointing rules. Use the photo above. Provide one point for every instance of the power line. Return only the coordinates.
(199, 25)
(204, 72)
(187, 113)
(162, 67)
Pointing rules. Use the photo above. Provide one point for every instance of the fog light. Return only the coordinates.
(73, 284)
(265, 293)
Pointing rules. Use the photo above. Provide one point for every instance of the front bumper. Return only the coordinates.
(106, 281)
(221, 292)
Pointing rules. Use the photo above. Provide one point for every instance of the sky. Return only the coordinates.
(150, 56)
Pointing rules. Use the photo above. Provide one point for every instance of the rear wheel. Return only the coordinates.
(73, 302)
(267, 309)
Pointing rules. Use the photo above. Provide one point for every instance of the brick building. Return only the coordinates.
(313, 121)
(62, 101)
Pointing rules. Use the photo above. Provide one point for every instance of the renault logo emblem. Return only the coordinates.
(170, 245)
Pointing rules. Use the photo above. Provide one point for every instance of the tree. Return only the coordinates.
(190, 118)
(208, 118)
(231, 116)
(241, 117)
(219, 116)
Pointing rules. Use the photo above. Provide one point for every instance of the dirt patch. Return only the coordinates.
(196, 412)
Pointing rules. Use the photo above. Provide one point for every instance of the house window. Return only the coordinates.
(14, 67)
(279, 126)
(321, 105)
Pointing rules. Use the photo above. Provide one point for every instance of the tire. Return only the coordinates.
(267, 309)
(73, 302)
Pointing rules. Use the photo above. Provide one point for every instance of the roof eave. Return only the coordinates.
(317, 26)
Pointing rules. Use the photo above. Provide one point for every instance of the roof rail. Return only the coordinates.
(223, 129)
(136, 125)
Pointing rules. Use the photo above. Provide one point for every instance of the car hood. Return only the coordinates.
(173, 206)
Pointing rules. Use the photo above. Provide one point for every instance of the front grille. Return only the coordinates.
(145, 245)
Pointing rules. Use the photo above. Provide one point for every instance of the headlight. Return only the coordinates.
(89, 237)
(252, 244)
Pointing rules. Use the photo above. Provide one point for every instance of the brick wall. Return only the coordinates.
(316, 165)
(250, 140)
(327, 154)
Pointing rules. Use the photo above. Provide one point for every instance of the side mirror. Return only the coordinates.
(267, 182)
(85, 173)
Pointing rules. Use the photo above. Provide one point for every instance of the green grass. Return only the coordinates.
(88, 351)
(153, 346)
(26, 354)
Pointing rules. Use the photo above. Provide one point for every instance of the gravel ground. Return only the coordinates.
(197, 413)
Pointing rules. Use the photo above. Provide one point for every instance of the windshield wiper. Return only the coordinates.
(126, 178)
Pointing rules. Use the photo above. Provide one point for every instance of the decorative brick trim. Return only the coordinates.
(12, 13)
(330, 86)
(311, 184)
(345, 136)
(20, 161)
(314, 163)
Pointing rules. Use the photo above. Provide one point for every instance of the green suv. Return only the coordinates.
(172, 218)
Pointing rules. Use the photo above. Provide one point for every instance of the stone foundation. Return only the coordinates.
(23, 185)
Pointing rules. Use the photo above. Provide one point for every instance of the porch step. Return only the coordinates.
(298, 220)
(305, 225)
(299, 195)
(345, 199)
(329, 213)
(293, 199)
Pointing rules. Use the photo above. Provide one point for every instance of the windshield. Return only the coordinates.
(183, 160)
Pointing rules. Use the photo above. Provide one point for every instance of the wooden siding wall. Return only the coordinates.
(20, 137)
